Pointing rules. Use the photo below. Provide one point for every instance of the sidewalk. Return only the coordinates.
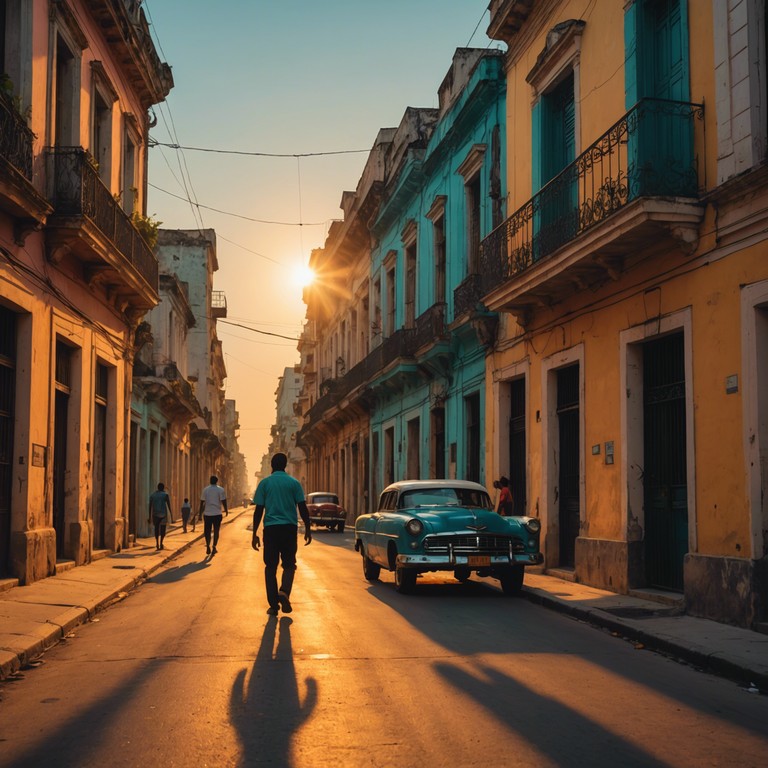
(36, 617)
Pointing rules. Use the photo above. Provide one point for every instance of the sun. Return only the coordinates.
(303, 276)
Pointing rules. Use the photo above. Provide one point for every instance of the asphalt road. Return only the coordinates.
(189, 670)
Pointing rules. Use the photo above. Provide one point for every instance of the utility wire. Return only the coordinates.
(155, 143)
(241, 216)
(256, 330)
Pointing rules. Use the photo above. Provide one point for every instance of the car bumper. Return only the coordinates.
(449, 562)
(326, 520)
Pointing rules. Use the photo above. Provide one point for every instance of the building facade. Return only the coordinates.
(76, 273)
(190, 256)
(625, 389)
(395, 342)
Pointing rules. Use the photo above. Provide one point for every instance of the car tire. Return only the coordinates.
(462, 574)
(405, 580)
(371, 571)
(512, 580)
(340, 528)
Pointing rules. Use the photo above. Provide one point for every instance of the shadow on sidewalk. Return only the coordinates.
(178, 572)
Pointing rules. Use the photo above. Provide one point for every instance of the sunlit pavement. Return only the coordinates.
(35, 617)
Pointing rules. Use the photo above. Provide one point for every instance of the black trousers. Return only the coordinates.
(211, 521)
(280, 544)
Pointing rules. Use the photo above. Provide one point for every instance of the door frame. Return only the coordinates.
(550, 449)
(632, 441)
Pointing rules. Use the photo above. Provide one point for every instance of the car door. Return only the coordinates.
(380, 520)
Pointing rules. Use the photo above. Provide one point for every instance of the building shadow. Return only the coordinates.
(266, 707)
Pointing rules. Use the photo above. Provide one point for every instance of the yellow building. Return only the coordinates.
(77, 273)
(628, 390)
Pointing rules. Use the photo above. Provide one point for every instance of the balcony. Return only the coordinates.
(89, 224)
(218, 304)
(18, 195)
(467, 295)
(634, 190)
(345, 396)
(170, 389)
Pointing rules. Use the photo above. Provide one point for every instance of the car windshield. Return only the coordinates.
(445, 497)
(323, 498)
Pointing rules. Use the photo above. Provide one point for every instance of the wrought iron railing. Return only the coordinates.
(467, 294)
(649, 152)
(16, 138)
(401, 344)
(75, 189)
(430, 326)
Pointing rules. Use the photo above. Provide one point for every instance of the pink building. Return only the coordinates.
(77, 272)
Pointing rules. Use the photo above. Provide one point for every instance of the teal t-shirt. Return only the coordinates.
(279, 494)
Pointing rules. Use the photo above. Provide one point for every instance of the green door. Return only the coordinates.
(661, 144)
(558, 203)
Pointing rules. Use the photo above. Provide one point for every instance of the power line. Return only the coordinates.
(256, 330)
(241, 216)
(155, 143)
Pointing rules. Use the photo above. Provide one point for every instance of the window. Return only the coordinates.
(414, 458)
(410, 285)
(472, 416)
(391, 294)
(130, 167)
(389, 456)
(66, 88)
(437, 443)
(409, 288)
(69, 43)
(437, 215)
(470, 169)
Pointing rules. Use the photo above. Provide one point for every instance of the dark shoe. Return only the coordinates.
(272, 611)
(162, 546)
(285, 602)
(213, 551)
(207, 550)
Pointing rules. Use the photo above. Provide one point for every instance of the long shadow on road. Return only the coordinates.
(266, 709)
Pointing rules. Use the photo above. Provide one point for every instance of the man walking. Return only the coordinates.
(212, 501)
(159, 507)
(276, 499)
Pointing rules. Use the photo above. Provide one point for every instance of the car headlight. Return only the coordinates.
(533, 525)
(414, 527)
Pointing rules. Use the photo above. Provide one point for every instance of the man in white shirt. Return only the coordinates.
(212, 501)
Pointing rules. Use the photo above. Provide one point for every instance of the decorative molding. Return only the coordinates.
(472, 163)
(561, 53)
(437, 209)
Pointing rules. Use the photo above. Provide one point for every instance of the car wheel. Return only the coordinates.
(512, 580)
(331, 526)
(405, 580)
(371, 571)
(462, 574)
(341, 528)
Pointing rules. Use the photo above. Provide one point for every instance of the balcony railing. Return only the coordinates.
(401, 344)
(468, 293)
(76, 190)
(218, 304)
(430, 326)
(648, 153)
(16, 138)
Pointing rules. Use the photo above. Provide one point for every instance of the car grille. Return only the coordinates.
(480, 543)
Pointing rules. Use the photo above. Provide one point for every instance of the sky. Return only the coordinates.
(270, 77)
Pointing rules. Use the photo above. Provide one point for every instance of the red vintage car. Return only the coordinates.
(324, 509)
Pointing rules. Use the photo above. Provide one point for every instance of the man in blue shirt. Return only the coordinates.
(159, 507)
(276, 499)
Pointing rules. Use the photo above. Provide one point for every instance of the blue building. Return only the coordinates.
(444, 192)
(394, 348)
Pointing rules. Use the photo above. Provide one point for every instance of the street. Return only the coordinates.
(189, 670)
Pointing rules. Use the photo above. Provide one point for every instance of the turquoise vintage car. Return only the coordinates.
(445, 525)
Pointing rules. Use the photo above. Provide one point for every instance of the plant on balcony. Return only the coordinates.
(147, 227)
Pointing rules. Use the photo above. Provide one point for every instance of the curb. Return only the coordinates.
(12, 662)
(705, 661)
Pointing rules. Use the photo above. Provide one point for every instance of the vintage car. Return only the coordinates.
(324, 509)
(445, 525)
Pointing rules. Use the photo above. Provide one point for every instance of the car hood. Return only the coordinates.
(448, 520)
